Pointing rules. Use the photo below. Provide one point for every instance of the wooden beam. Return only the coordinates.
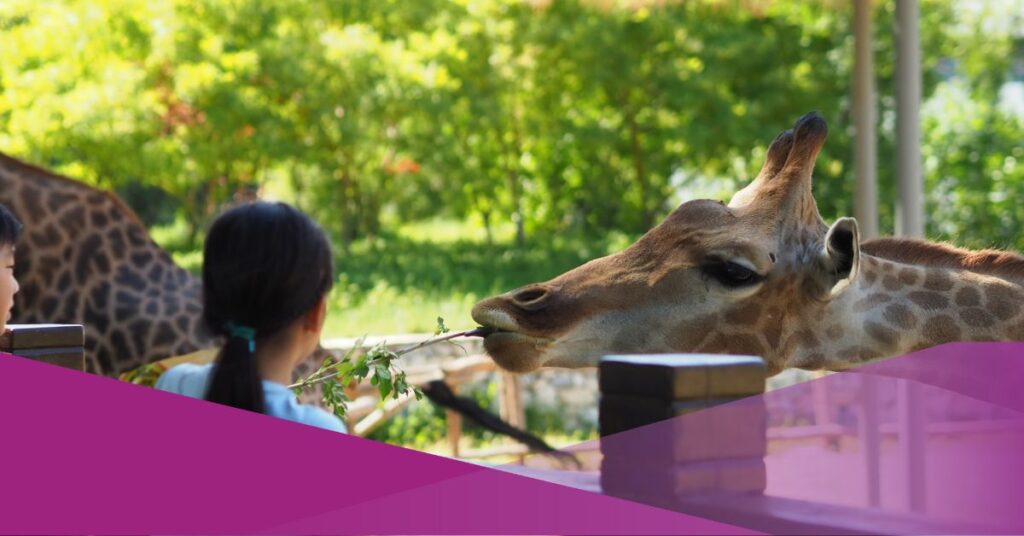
(865, 157)
(910, 222)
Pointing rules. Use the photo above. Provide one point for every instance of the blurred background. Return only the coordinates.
(458, 148)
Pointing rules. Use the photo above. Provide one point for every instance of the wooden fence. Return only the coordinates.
(456, 365)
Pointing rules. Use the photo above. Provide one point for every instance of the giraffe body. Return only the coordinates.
(762, 275)
(84, 257)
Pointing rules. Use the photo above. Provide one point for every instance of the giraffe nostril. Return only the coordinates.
(531, 298)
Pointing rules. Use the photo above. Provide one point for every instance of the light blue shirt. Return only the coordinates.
(191, 380)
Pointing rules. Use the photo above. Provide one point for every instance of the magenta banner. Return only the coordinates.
(924, 443)
(86, 454)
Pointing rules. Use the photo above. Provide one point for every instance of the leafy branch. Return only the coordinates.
(335, 374)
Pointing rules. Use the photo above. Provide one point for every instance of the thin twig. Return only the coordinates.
(478, 332)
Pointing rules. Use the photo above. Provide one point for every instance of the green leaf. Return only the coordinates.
(441, 328)
(385, 389)
(344, 370)
(361, 369)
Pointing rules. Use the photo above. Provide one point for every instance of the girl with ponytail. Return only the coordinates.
(267, 269)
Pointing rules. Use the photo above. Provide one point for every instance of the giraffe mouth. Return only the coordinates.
(515, 352)
(505, 342)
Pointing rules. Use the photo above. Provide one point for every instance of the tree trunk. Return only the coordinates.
(486, 216)
(345, 203)
(517, 209)
(640, 170)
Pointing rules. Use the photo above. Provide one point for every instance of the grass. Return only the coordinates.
(402, 281)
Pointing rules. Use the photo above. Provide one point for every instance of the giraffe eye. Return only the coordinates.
(732, 274)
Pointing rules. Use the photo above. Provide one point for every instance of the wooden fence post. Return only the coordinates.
(57, 344)
(714, 435)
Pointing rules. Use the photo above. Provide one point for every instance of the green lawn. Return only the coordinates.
(402, 281)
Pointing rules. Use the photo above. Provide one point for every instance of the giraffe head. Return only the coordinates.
(710, 278)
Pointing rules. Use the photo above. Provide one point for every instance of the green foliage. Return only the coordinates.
(568, 126)
(551, 421)
(423, 426)
(146, 375)
(573, 116)
(353, 367)
(419, 426)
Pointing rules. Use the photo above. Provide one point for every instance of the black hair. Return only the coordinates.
(264, 266)
(10, 227)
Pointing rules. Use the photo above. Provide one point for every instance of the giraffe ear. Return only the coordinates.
(840, 258)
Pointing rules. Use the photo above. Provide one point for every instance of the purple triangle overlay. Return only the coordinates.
(969, 450)
(85, 454)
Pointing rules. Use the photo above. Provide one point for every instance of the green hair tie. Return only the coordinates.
(242, 332)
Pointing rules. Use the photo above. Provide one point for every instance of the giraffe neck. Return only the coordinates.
(86, 258)
(897, 307)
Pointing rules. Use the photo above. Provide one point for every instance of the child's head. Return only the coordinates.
(10, 228)
(266, 270)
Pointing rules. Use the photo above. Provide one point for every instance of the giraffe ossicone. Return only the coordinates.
(762, 275)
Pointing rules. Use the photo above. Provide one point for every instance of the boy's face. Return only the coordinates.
(8, 285)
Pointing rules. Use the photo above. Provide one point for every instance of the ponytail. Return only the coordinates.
(236, 380)
(264, 266)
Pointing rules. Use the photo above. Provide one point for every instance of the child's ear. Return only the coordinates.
(313, 320)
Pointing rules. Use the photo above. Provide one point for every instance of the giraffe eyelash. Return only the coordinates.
(731, 274)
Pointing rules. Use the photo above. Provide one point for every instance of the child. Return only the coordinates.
(266, 271)
(10, 228)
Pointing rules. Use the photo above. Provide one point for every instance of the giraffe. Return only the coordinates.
(761, 275)
(85, 258)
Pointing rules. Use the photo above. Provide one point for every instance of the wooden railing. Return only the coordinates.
(455, 365)
(57, 344)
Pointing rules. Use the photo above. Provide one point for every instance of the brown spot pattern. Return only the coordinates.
(835, 331)
(872, 301)
(806, 338)
(815, 360)
(938, 280)
(891, 283)
(968, 297)
(900, 316)
(929, 301)
(1003, 302)
(940, 329)
(881, 333)
(857, 353)
(976, 317)
(909, 276)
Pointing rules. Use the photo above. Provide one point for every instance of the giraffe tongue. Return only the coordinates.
(480, 332)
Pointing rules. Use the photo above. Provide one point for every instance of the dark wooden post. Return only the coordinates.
(691, 425)
(57, 344)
